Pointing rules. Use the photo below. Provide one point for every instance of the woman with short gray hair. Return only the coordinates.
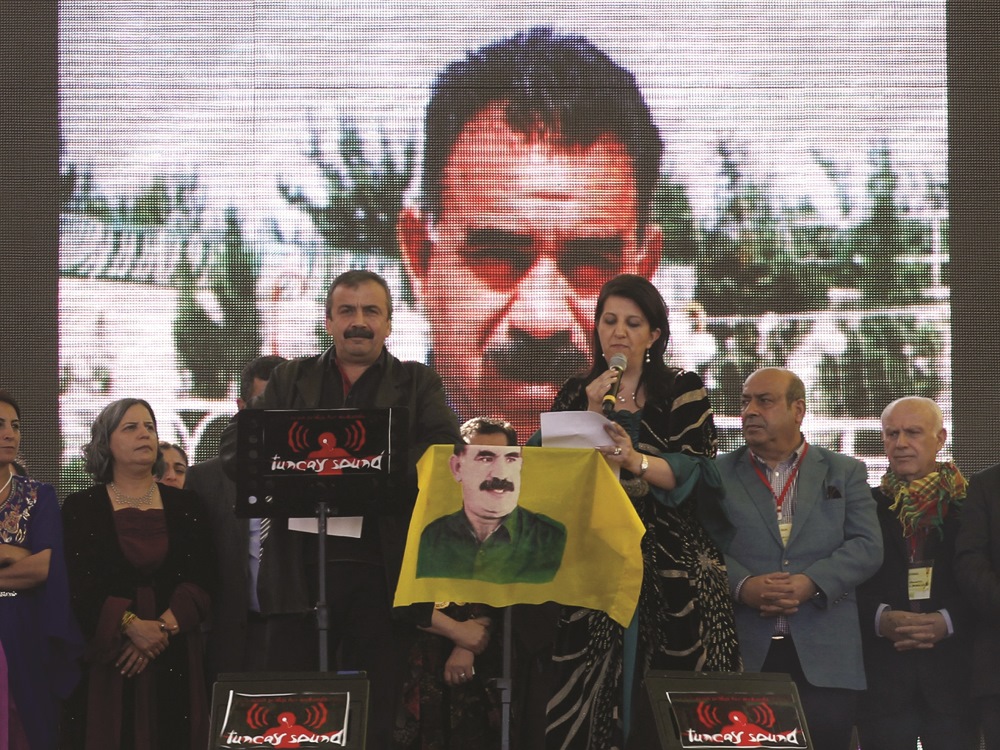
(139, 565)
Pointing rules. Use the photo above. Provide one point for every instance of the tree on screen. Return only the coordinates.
(357, 218)
(885, 357)
(139, 231)
(855, 294)
(747, 265)
(878, 237)
(671, 211)
(216, 328)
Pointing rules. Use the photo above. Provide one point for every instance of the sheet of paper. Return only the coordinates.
(574, 429)
(345, 526)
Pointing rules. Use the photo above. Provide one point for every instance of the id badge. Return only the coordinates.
(785, 529)
(919, 580)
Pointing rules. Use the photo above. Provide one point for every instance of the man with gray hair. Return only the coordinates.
(916, 626)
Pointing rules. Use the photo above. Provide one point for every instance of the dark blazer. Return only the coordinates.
(231, 547)
(98, 570)
(835, 541)
(941, 674)
(977, 570)
(298, 384)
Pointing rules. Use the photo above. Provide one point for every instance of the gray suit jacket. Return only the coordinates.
(835, 540)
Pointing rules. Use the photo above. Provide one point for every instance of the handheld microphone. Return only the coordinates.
(617, 363)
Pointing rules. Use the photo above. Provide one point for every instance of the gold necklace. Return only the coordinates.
(128, 500)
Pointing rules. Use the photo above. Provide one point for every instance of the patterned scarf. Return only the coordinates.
(924, 503)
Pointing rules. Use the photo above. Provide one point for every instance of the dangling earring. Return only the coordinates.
(647, 356)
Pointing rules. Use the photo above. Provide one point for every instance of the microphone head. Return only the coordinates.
(618, 362)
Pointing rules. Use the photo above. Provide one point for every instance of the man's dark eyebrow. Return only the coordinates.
(350, 307)
(485, 452)
(597, 245)
(497, 237)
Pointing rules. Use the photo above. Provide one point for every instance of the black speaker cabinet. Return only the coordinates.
(289, 709)
(726, 710)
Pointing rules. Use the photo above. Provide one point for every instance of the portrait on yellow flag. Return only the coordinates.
(506, 525)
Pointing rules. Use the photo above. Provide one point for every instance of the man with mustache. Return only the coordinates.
(540, 161)
(804, 536)
(491, 538)
(357, 371)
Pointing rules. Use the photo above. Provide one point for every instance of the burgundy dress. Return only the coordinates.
(146, 562)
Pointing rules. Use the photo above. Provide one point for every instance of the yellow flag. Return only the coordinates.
(503, 526)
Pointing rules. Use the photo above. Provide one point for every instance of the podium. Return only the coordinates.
(320, 463)
(289, 710)
(289, 462)
(725, 709)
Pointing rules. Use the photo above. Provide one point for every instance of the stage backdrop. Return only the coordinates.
(221, 162)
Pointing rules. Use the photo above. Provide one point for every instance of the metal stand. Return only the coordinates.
(322, 610)
(503, 682)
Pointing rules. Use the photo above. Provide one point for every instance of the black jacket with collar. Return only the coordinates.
(298, 384)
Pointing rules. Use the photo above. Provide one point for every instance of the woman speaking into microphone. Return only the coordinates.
(663, 438)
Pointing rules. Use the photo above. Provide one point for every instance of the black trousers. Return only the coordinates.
(830, 712)
(989, 712)
(363, 636)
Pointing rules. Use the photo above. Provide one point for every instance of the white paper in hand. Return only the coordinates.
(574, 429)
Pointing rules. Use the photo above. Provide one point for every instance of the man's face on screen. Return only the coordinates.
(510, 271)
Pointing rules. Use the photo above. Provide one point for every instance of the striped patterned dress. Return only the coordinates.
(685, 614)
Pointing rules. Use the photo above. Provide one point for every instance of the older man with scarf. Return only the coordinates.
(916, 626)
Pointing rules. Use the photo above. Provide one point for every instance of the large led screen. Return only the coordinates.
(222, 162)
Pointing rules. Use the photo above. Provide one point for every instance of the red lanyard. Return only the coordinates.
(914, 544)
(780, 499)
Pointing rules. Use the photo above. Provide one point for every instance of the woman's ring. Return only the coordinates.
(618, 450)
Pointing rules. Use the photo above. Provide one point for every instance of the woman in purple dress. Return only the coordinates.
(39, 637)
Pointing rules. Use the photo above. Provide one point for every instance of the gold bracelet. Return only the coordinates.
(644, 465)
(127, 619)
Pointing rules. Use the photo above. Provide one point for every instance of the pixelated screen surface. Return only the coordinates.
(224, 161)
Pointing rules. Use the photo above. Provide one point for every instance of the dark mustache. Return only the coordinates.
(497, 483)
(359, 332)
(550, 359)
